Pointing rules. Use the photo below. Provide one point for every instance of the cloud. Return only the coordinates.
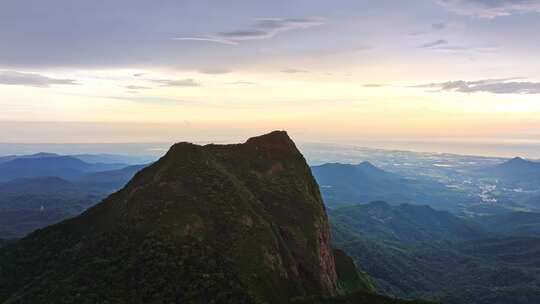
(458, 48)
(32, 79)
(261, 29)
(202, 39)
(154, 100)
(443, 45)
(215, 71)
(490, 8)
(294, 71)
(188, 82)
(438, 26)
(374, 85)
(137, 87)
(241, 83)
(434, 44)
(494, 86)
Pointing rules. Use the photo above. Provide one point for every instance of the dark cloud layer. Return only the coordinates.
(494, 86)
(32, 79)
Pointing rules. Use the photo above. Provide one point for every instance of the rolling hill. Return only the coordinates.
(345, 184)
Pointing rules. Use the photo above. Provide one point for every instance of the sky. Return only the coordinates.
(344, 71)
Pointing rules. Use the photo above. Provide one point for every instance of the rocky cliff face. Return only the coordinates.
(238, 223)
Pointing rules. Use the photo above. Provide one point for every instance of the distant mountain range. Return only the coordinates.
(41, 165)
(90, 158)
(515, 185)
(517, 170)
(346, 184)
(42, 189)
(108, 181)
(115, 159)
(8, 158)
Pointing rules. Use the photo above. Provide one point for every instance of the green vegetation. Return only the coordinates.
(512, 223)
(205, 224)
(417, 252)
(30, 203)
(405, 224)
(350, 280)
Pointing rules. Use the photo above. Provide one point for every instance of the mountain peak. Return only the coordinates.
(276, 140)
(517, 159)
(273, 141)
(274, 135)
(517, 162)
(182, 147)
(516, 169)
(245, 218)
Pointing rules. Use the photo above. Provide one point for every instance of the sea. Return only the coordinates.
(497, 148)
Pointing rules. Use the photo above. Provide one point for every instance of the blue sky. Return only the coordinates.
(343, 70)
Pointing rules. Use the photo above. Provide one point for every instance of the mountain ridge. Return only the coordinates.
(49, 164)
